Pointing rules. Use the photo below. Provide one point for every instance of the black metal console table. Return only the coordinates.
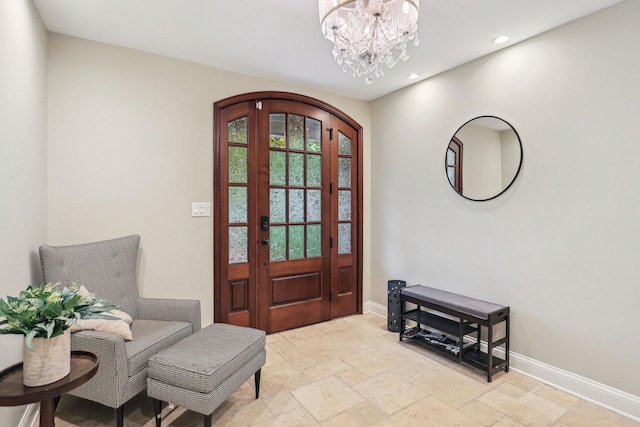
(444, 319)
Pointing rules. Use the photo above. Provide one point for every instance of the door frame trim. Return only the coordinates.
(289, 96)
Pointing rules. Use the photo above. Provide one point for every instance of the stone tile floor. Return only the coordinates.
(353, 372)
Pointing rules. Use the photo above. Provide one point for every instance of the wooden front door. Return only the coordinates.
(288, 212)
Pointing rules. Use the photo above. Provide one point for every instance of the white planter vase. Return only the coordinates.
(50, 362)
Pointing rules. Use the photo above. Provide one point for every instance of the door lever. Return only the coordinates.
(265, 241)
(264, 222)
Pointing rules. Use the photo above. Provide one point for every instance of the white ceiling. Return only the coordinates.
(281, 39)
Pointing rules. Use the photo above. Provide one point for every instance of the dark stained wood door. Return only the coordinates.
(294, 192)
(288, 213)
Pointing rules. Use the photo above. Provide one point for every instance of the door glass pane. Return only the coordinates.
(314, 170)
(451, 157)
(237, 244)
(296, 241)
(344, 205)
(237, 204)
(314, 246)
(277, 137)
(344, 172)
(238, 164)
(296, 169)
(313, 135)
(314, 206)
(344, 144)
(344, 238)
(277, 205)
(277, 167)
(451, 173)
(278, 243)
(296, 205)
(237, 130)
(296, 132)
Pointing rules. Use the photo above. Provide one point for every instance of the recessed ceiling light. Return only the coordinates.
(500, 39)
(413, 76)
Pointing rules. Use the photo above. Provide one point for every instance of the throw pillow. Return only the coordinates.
(121, 326)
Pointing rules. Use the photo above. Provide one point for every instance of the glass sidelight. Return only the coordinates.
(345, 217)
(238, 185)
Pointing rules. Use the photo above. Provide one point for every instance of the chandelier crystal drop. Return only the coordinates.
(366, 33)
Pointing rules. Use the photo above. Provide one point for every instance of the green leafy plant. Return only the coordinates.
(47, 311)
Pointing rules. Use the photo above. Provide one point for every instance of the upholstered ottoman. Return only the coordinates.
(202, 370)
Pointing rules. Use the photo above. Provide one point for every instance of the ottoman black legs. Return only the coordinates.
(119, 416)
(221, 358)
(157, 411)
(256, 376)
(157, 404)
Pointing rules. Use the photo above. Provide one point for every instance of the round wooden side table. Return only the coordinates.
(84, 365)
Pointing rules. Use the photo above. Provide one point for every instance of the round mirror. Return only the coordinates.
(483, 158)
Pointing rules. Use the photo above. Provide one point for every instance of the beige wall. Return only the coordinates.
(23, 161)
(131, 146)
(561, 245)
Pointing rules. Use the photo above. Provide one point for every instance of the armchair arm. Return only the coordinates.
(182, 310)
(112, 372)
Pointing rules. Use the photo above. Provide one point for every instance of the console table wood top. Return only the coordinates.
(13, 392)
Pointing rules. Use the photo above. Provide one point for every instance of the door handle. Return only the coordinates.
(264, 222)
(265, 241)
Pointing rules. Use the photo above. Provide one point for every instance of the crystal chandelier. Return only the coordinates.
(365, 33)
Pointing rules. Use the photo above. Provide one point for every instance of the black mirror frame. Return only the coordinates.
(514, 176)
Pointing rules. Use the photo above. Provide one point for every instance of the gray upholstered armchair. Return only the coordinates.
(108, 270)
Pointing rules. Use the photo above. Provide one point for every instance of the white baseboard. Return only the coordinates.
(375, 308)
(613, 399)
(623, 403)
(31, 416)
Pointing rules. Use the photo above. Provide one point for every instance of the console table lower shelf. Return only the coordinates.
(458, 338)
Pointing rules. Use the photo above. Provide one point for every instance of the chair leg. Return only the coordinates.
(120, 416)
(257, 378)
(157, 411)
(207, 420)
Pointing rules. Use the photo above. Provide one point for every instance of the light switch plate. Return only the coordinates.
(200, 209)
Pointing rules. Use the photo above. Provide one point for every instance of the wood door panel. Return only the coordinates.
(239, 295)
(238, 271)
(345, 280)
(296, 288)
(345, 260)
(300, 266)
(240, 318)
(295, 315)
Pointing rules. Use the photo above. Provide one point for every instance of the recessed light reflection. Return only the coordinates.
(413, 76)
(501, 39)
